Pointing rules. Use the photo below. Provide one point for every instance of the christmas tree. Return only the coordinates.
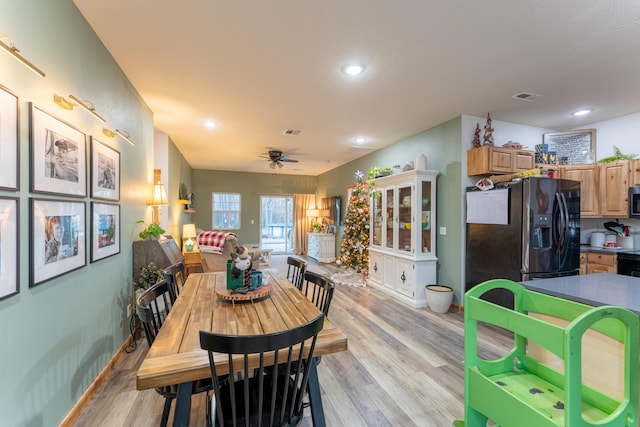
(488, 132)
(354, 250)
(476, 137)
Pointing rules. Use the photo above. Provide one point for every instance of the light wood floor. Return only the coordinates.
(404, 367)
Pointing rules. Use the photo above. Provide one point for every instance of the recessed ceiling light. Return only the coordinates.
(209, 124)
(353, 69)
(582, 112)
(360, 139)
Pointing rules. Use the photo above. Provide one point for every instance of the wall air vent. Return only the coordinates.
(527, 96)
(292, 132)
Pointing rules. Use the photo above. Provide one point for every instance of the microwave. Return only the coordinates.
(634, 202)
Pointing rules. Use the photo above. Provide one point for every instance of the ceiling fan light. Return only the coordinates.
(280, 165)
(272, 165)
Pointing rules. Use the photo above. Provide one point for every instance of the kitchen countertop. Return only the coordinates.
(588, 248)
(592, 289)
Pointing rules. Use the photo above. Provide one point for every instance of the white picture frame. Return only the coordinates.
(57, 238)
(9, 246)
(105, 230)
(9, 141)
(58, 156)
(105, 171)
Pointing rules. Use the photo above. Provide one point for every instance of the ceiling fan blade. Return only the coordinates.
(288, 160)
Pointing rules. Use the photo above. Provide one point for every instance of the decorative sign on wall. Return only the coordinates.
(574, 147)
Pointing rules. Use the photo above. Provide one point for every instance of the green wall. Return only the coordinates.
(57, 337)
(250, 186)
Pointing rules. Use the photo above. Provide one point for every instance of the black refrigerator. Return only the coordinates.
(522, 230)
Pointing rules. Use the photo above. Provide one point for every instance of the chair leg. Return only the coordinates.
(165, 411)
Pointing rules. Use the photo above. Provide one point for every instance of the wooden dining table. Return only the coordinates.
(175, 357)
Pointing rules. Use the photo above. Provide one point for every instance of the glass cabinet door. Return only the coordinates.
(390, 218)
(377, 218)
(425, 196)
(405, 218)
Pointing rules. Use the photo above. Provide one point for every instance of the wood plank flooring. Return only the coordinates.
(404, 367)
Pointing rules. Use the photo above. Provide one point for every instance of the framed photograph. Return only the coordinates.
(58, 156)
(105, 171)
(570, 148)
(57, 238)
(9, 132)
(105, 230)
(9, 247)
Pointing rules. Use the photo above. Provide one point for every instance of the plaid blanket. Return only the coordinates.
(213, 241)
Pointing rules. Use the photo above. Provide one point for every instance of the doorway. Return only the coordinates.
(276, 223)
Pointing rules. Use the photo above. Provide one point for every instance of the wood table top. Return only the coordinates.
(176, 357)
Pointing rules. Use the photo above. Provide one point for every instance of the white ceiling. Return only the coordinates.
(260, 67)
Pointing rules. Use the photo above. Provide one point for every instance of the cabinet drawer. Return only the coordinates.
(602, 259)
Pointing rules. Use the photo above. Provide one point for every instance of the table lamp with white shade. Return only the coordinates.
(189, 232)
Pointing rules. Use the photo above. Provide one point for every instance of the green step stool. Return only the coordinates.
(520, 391)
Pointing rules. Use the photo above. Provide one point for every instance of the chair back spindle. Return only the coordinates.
(319, 289)
(295, 271)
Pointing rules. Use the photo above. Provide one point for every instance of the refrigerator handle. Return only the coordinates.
(561, 221)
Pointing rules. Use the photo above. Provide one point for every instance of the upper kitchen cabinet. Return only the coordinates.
(488, 159)
(613, 189)
(402, 252)
(588, 175)
(634, 173)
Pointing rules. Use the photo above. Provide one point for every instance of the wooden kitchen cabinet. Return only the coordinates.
(634, 173)
(613, 189)
(598, 262)
(583, 263)
(588, 176)
(497, 160)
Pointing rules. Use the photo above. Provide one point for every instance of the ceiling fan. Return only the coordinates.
(276, 158)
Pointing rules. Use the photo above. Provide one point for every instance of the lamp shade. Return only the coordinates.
(188, 231)
(314, 213)
(159, 196)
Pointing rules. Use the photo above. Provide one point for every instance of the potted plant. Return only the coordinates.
(149, 275)
(151, 232)
(378, 172)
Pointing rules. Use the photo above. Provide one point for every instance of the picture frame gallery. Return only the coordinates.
(59, 168)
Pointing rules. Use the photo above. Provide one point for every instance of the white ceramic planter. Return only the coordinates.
(439, 298)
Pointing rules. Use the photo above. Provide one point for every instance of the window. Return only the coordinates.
(226, 211)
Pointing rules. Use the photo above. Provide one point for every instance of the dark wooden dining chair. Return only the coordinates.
(174, 274)
(153, 307)
(319, 289)
(268, 393)
(295, 271)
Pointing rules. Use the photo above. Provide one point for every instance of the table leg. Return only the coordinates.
(315, 399)
(183, 405)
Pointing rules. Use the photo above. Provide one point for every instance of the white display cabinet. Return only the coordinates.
(402, 251)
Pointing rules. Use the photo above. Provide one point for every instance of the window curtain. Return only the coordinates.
(301, 224)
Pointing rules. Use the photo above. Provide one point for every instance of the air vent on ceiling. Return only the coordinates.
(527, 96)
(292, 132)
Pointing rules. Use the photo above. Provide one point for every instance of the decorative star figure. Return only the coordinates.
(359, 175)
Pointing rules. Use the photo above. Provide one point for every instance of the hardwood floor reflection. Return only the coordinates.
(404, 367)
